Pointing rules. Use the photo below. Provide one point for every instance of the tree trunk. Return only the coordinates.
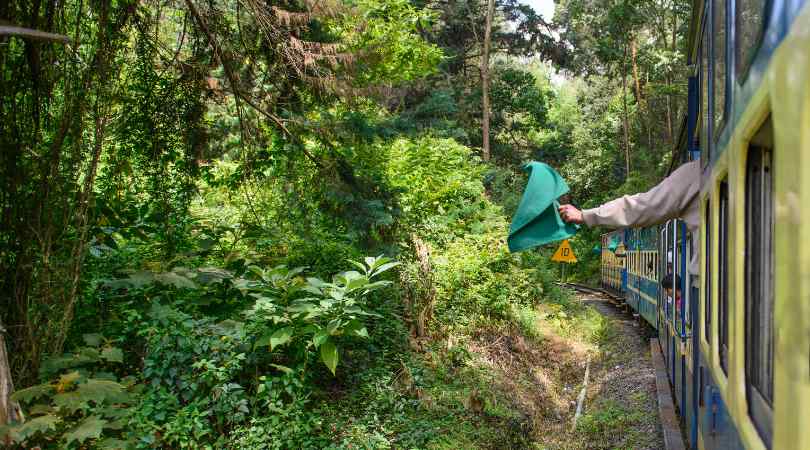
(9, 410)
(636, 81)
(670, 132)
(625, 119)
(485, 79)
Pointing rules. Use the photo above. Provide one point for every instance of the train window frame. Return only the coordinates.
(724, 272)
(742, 66)
(759, 208)
(708, 220)
(718, 125)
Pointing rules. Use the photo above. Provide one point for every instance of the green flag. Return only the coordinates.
(537, 220)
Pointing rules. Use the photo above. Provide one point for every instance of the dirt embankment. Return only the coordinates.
(541, 377)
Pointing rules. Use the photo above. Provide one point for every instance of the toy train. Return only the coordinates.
(736, 336)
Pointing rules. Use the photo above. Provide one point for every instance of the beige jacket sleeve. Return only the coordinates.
(670, 199)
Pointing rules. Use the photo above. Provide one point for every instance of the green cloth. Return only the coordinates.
(537, 220)
(614, 244)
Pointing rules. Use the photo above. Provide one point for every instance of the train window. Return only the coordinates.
(723, 273)
(719, 58)
(687, 287)
(750, 25)
(707, 288)
(705, 148)
(759, 264)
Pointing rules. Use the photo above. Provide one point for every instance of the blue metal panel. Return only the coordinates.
(716, 426)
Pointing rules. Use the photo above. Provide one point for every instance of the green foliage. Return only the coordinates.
(81, 400)
(188, 183)
(305, 315)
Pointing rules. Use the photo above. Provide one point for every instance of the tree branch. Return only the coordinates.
(29, 33)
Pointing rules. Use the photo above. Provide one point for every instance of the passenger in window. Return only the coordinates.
(674, 198)
(669, 283)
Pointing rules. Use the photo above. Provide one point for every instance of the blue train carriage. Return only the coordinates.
(614, 275)
(643, 273)
(749, 118)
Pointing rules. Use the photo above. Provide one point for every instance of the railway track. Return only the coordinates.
(616, 301)
(590, 290)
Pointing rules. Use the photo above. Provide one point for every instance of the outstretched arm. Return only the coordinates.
(665, 201)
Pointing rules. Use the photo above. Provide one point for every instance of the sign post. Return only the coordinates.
(564, 255)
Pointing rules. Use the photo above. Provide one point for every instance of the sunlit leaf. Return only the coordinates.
(385, 267)
(284, 369)
(359, 265)
(329, 355)
(319, 338)
(332, 326)
(281, 337)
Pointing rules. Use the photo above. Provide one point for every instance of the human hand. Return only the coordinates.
(570, 214)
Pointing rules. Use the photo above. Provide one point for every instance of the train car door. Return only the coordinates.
(664, 312)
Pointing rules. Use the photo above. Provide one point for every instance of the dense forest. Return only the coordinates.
(282, 224)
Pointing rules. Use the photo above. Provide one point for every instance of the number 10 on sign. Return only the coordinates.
(564, 254)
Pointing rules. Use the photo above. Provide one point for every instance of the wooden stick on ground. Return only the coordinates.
(581, 398)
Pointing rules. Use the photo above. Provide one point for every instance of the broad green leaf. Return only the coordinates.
(333, 326)
(316, 282)
(69, 401)
(356, 283)
(33, 426)
(385, 267)
(258, 271)
(112, 354)
(92, 339)
(319, 338)
(312, 290)
(284, 369)
(263, 341)
(40, 409)
(89, 428)
(358, 265)
(377, 285)
(99, 391)
(176, 280)
(302, 308)
(355, 327)
(30, 394)
(329, 355)
(281, 337)
(141, 278)
(378, 262)
(212, 275)
(115, 444)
